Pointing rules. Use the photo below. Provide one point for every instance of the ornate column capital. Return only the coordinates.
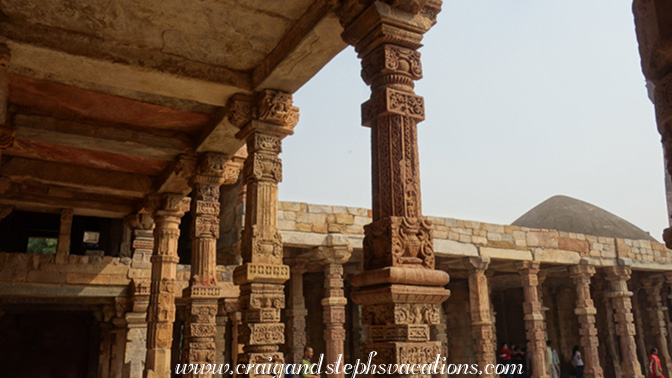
(213, 168)
(268, 108)
(159, 204)
(477, 263)
(337, 251)
(527, 267)
(582, 270)
(139, 221)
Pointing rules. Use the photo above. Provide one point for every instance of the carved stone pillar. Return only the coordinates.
(399, 290)
(333, 256)
(296, 314)
(202, 295)
(585, 312)
(535, 325)
(63, 246)
(606, 317)
(167, 210)
(142, 236)
(639, 327)
(439, 332)
(136, 330)
(481, 319)
(653, 287)
(232, 307)
(618, 277)
(265, 120)
(220, 340)
(668, 299)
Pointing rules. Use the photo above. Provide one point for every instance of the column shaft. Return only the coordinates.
(481, 317)
(296, 316)
(333, 305)
(399, 290)
(639, 330)
(262, 274)
(585, 312)
(136, 335)
(618, 277)
(167, 212)
(535, 324)
(653, 287)
(202, 295)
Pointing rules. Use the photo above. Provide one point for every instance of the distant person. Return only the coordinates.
(518, 359)
(553, 361)
(306, 364)
(504, 355)
(654, 365)
(577, 361)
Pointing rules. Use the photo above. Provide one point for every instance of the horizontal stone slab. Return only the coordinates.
(506, 254)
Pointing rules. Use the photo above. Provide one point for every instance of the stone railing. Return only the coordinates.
(112, 274)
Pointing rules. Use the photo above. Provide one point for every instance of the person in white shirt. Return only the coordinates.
(577, 361)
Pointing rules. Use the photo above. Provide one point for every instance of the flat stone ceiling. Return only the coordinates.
(235, 34)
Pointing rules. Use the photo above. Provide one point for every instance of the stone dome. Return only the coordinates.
(568, 214)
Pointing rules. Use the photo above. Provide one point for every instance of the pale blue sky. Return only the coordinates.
(525, 99)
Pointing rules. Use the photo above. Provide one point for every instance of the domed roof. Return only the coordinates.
(568, 214)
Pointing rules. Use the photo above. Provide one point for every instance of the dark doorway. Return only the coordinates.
(46, 344)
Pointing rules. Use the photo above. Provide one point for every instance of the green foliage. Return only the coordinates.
(42, 246)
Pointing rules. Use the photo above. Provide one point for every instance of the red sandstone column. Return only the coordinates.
(135, 349)
(296, 314)
(265, 120)
(618, 277)
(653, 287)
(333, 257)
(639, 327)
(168, 209)
(668, 299)
(585, 311)
(399, 290)
(481, 317)
(202, 295)
(535, 324)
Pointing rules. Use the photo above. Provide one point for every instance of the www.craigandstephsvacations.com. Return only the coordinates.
(438, 366)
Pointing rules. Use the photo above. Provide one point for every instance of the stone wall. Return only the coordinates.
(461, 237)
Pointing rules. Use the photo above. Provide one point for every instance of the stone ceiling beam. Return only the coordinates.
(307, 47)
(194, 82)
(89, 180)
(86, 205)
(100, 138)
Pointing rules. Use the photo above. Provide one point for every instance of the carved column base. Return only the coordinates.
(261, 299)
(398, 312)
(201, 327)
